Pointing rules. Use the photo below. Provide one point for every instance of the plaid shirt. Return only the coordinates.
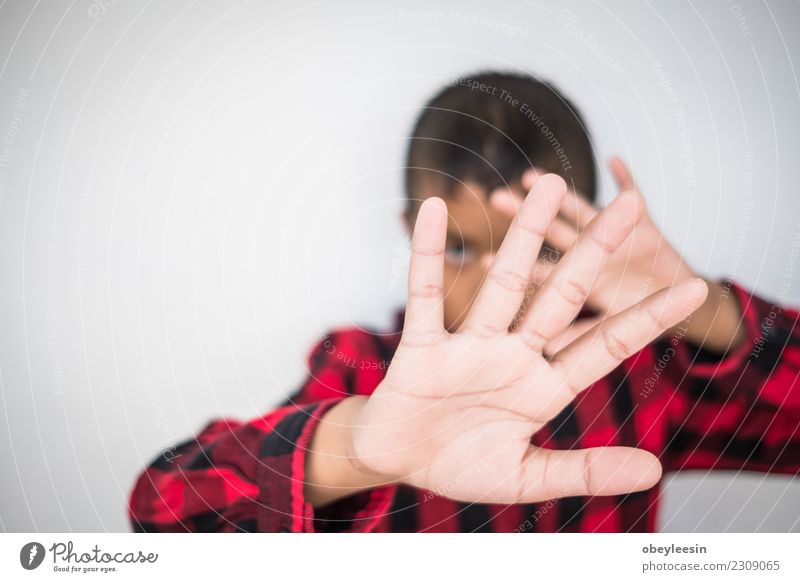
(692, 410)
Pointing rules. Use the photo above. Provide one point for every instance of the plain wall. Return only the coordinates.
(191, 193)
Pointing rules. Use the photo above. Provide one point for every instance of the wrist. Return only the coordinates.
(333, 469)
(359, 471)
(716, 325)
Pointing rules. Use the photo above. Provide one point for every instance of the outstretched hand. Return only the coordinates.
(455, 412)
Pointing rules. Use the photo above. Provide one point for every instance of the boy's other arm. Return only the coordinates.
(717, 325)
(740, 411)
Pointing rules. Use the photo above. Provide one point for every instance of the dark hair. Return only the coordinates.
(491, 127)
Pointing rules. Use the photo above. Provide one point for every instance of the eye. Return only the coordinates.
(458, 252)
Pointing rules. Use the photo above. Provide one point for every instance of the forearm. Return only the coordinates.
(332, 471)
(717, 325)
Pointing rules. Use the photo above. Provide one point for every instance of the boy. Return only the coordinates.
(490, 407)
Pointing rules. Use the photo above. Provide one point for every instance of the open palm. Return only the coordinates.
(456, 411)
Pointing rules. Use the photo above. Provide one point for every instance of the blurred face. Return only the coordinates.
(474, 233)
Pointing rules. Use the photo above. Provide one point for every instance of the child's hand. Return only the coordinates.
(644, 263)
(456, 411)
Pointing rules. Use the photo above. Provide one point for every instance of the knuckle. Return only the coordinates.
(616, 347)
(483, 329)
(427, 251)
(509, 279)
(656, 318)
(607, 246)
(535, 228)
(587, 471)
(532, 338)
(573, 292)
(414, 339)
(428, 291)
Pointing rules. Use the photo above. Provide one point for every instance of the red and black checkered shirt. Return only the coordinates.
(692, 410)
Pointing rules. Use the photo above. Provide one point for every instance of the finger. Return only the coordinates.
(622, 175)
(545, 265)
(530, 177)
(505, 201)
(604, 347)
(510, 273)
(573, 332)
(424, 319)
(574, 207)
(562, 235)
(541, 271)
(577, 210)
(560, 299)
(550, 474)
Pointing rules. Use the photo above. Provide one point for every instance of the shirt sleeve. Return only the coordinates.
(242, 477)
(740, 411)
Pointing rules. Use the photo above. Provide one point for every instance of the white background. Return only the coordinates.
(193, 192)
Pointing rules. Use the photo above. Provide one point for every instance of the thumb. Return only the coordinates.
(622, 174)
